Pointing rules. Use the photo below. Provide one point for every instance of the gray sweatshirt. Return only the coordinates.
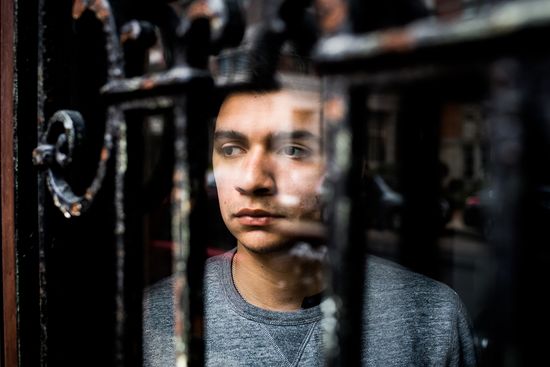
(410, 320)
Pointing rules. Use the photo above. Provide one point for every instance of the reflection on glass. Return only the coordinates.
(266, 299)
(462, 200)
(268, 166)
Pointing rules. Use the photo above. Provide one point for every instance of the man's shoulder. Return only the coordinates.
(405, 308)
(159, 292)
(215, 268)
(390, 278)
(158, 298)
(218, 260)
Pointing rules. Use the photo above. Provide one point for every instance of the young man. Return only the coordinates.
(262, 299)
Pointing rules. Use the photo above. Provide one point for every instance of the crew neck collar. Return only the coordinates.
(247, 310)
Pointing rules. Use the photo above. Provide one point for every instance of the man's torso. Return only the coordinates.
(409, 320)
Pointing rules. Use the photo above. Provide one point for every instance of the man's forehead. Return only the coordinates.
(284, 107)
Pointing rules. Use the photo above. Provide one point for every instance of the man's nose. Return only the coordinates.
(257, 175)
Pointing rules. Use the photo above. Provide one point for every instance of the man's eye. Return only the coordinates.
(293, 151)
(231, 150)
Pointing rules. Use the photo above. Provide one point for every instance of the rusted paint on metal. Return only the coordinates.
(46, 155)
(332, 14)
(76, 209)
(198, 9)
(79, 6)
(104, 154)
(63, 196)
(177, 79)
(334, 109)
(398, 40)
(102, 10)
(43, 155)
(504, 20)
(100, 7)
(148, 83)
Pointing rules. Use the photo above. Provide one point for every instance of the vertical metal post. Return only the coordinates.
(418, 151)
(189, 222)
(41, 197)
(191, 113)
(121, 164)
(181, 208)
(344, 117)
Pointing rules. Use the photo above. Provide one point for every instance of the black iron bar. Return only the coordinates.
(344, 123)
(500, 27)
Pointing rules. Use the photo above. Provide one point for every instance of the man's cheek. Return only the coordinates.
(306, 177)
(223, 176)
(312, 207)
(225, 207)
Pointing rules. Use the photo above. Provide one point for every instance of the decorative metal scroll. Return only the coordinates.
(58, 150)
(57, 146)
(62, 139)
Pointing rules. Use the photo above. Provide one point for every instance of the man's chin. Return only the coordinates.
(263, 246)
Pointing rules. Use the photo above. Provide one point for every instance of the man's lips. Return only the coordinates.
(256, 217)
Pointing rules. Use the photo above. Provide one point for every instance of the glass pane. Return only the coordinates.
(264, 274)
(429, 201)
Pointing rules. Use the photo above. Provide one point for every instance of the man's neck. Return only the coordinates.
(276, 281)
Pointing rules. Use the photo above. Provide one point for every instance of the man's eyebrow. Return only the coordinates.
(229, 135)
(295, 135)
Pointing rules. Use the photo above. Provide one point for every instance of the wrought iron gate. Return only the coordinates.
(114, 101)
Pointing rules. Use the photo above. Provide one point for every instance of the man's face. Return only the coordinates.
(268, 165)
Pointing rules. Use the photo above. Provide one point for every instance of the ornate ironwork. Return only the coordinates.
(58, 151)
(53, 156)
(342, 54)
(62, 139)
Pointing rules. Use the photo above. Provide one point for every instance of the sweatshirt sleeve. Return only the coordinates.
(463, 348)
